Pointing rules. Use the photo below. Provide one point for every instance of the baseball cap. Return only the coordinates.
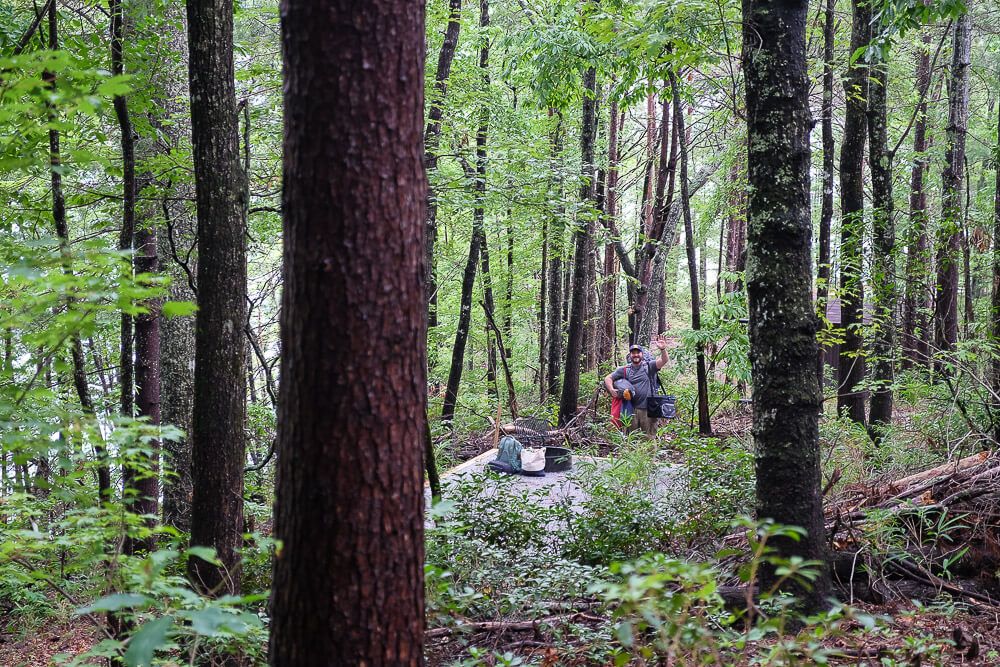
(635, 347)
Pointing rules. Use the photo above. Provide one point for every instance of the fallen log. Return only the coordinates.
(946, 469)
(498, 626)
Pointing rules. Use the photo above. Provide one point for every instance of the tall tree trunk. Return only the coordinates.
(883, 253)
(543, 293)
(126, 237)
(462, 331)
(950, 229)
(967, 278)
(217, 433)
(609, 286)
(554, 281)
(174, 240)
(704, 422)
(458, 351)
(826, 213)
(62, 232)
(851, 399)
(915, 350)
(736, 233)
(144, 488)
(348, 585)
(647, 291)
(995, 305)
(783, 347)
(432, 139)
(581, 235)
(508, 299)
(480, 187)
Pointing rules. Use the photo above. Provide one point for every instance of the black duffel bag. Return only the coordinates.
(661, 407)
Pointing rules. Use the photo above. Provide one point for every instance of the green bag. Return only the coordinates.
(509, 452)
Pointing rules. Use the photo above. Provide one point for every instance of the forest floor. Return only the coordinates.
(911, 637)
(943, 630)
(39, 647)
(919, 621)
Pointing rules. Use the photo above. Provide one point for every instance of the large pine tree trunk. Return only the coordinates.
(783, 346)
(851, 399)
(348, 583)
(826, 212)
(217, 432)
(914, 336)
(883, 253)
(581, 235)
(432, 139)
(950, 229)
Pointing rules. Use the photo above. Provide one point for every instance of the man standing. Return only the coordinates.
(639, 373)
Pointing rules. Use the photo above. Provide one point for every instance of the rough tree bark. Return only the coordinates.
(783, 321)
(850, 399)
(704, 422)
(432, 139)
(826, 213)
(217, 434)
(949, 231)
(348, 582)
(917, 260)
(581, 235)
(883, 252)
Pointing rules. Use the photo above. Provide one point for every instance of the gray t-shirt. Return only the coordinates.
(639, 377)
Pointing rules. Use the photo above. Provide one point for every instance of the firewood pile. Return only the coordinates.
(935, 532)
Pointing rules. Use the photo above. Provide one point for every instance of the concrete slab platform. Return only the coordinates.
(560, 487)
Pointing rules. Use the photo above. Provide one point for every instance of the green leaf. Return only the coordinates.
(143, 645)
(116, 602)
(179, 308)
(207, 554)
(208, 621)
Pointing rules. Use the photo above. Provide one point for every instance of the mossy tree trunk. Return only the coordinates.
(783, 322)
